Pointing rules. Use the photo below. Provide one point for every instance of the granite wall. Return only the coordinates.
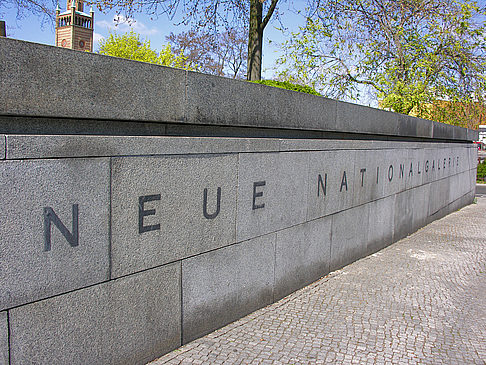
(121, 241)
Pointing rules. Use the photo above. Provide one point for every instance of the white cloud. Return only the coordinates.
(96, 40)
(123, 24)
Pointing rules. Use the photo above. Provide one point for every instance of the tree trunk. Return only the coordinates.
(255, 41)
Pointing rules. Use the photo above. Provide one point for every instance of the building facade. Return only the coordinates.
(74, 27)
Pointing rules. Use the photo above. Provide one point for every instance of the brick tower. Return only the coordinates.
(74, 27)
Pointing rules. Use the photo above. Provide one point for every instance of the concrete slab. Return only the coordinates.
(55, 223)
(349, 236)
(380, 224)
(4, 356)
(272, 192)
(131, 320)
(168, 208)
(331, 180)
(302, 255)
(224, 285)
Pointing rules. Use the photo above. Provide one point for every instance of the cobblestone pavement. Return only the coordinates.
(422, 300)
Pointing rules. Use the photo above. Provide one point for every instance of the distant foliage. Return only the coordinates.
(289, 86)
(130, 46)
(481, 171)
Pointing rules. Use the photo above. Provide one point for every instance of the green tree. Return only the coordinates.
(130, 46)
(420, 57)
(215, 15)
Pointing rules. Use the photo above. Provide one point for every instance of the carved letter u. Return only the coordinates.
(205, 205)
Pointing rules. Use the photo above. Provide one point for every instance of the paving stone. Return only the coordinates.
(154, 197)
(44, 252)
(3, 339)
(131, 320)
(222, 286)
(272, 192)
(302, 255)
(418, 301)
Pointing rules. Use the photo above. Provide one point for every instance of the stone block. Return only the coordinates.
(414, 127)
(4, 339)
(331, 180)
(420, 206)
(55, 224)
(473, 157)
(32, 146)
(272, 192)
(442, 131)
(224, 285)
(131, 320)
(368, 182)
(34, 125)
(460, 133)
(168, 208)
(381, 222)
(395, 170)
(247, 104)
(2, 147)
(349, 236)
(302, 255)
(357, 118)
(472, 135)
(439, 196)
(41, 80)
(429, 165)
(403, 219)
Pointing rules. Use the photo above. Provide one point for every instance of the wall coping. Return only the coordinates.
(40, 81)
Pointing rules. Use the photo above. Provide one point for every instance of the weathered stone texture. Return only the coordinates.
(131, 320)
(38, 260)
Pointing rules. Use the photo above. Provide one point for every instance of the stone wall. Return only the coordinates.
(138, 216)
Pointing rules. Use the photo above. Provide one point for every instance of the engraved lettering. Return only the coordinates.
(418, 168)
(51, 216)
(257, 194)
(427, 166)
(142, 212)
(205, 204)
(344, 182)
(362, 175)
(410, 173)
(321, 184)
(390, 173)
(402, 168)
(377, 173)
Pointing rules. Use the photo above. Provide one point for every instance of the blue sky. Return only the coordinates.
(34, 29)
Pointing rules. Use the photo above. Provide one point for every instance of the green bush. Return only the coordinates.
(289, 86)
(481, 171)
